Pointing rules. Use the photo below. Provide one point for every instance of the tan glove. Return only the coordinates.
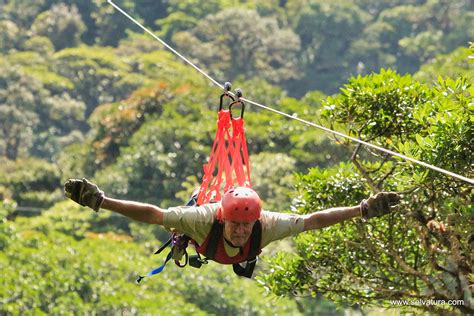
(84, 192)
(378, 205)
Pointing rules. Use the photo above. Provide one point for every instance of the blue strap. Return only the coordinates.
(191, 202)
(157, 270)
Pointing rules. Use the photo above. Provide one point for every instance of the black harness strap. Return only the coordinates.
(253, 253)
(216, 234)
(166, 244)
(256, 240)
(247, 271)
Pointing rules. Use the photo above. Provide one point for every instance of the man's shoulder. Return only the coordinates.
(205, 213)
(208, 209)
(271, 219)
(277, 225)
(268, 215)
(192, 220)
(204, 208)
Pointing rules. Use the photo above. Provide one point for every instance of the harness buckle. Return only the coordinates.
(253, 260)
(196, 261)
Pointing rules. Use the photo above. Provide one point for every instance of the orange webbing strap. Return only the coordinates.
(219, 156)
(239, 154)
(228, 155)
(223, 164)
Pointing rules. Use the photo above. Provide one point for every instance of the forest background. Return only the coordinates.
(83, 93)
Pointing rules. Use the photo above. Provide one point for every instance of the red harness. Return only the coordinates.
(213, 247)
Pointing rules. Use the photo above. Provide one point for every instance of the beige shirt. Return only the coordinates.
(196, 222)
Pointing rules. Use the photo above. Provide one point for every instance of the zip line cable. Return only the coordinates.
(328, 130)
(165, 44)
(424, 164)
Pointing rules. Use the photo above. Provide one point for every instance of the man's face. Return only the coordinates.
(238, 232)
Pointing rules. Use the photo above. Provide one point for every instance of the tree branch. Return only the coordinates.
(370, 181)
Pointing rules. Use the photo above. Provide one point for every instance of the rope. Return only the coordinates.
(328, 130)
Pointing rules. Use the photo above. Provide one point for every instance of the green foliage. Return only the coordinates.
(380, 105)
(162, 65)
(54, 274)
(18, 117)
(158, 160)
(323, 60)
(408, 34)
(47, 271)
(33, 120)
(62, 24)
(7, 204)
(8, 35)
(451, 65)
(37, 64)
(22, 12)
(273, 182)
(150, 11)
(73, 160)
(247, 47)
(259, 90)
(175, 22)
(445, 140)
(185, 15)
(334, 186)
(136, 45)
(115, 123)
(421, 249)
(97, 74)
(109, 25)
(423, 45)
(337, 38)
(66, 217)
(39, 44)
(31, 182)
(267, 131)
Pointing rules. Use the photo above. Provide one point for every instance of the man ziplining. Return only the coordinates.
(235, 229)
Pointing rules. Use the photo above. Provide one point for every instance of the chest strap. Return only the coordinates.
(255, 239)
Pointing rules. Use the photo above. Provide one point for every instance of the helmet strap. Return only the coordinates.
(241, 249)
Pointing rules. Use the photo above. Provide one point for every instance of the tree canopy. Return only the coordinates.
(84, 93)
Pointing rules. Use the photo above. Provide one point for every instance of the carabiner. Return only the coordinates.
(186, 260)
(227, 87)
(238, 94)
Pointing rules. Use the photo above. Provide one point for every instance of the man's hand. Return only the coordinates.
(84, 193)
(378, 205)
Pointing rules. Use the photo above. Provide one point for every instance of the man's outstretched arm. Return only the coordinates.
(88, 194)
(377, 205)
(330, 217)
(141, 212)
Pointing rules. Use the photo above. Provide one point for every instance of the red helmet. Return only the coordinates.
(241, 204)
